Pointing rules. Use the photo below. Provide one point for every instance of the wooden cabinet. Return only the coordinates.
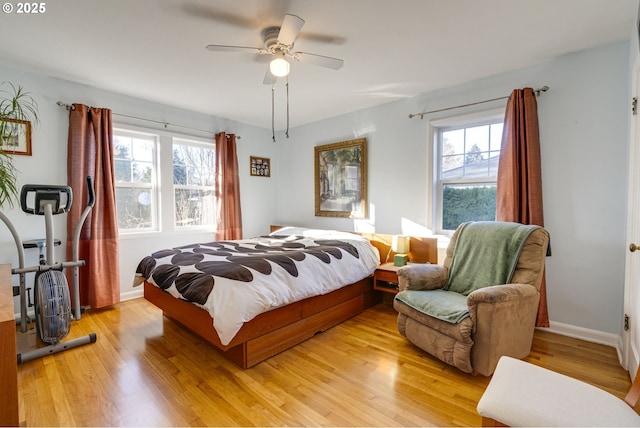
(8, 353)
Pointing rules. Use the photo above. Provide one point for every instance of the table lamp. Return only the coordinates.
(400, 246)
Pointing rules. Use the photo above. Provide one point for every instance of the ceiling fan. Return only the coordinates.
(278, 42)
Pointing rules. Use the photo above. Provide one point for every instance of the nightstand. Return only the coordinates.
(385, 278)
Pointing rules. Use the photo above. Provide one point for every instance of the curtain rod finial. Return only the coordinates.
(545, 88)
(65, 105)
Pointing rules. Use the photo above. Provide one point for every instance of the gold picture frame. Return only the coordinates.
(259, 167)
(341, 179)
(18, 139)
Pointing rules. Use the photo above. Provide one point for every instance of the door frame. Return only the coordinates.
(630, 357)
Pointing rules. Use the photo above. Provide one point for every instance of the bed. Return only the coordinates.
(314, 271)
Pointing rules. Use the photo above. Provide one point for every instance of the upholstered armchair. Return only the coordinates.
(481, 303)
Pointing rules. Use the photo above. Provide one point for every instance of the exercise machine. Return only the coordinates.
(53, 313)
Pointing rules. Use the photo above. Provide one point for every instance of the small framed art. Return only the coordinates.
(17, 137)
(260, 167)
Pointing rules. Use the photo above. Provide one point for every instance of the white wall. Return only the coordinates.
(584, 141)
(48, 165)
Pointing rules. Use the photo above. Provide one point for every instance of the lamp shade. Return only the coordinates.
(279, 66)
(400, 244)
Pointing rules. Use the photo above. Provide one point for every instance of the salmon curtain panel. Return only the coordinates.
(227, 188)
(519, 187)
(90, 153)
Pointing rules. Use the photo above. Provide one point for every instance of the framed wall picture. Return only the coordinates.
(260, 167)
(17, 137)
(341, 179)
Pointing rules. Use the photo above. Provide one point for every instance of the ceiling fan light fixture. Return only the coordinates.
(279, 66)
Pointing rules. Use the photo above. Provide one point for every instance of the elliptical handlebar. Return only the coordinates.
(76, 244)
(92, 195)
(46, 195)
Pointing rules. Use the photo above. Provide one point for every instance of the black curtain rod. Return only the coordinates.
(164, 123)
(545, 88)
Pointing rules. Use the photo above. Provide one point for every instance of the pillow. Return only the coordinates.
(289, 230)
(316, 233)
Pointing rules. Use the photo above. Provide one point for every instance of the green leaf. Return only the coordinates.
(15, 104)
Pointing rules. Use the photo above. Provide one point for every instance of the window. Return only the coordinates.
(164, 181)
(193, 180)
(135, 164)
(467, 167)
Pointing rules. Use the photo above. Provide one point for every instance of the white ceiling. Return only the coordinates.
(155, 49)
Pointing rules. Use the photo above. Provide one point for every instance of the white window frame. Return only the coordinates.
(435, 128)
(152, 185)
(164, 183)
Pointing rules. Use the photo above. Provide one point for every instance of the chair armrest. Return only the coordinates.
(500, 293)
(422, 277)
(504, 318)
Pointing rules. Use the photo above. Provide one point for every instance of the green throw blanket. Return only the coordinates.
(445, 305)
(486, 253)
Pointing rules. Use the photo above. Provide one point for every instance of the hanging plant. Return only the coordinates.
(15, 105)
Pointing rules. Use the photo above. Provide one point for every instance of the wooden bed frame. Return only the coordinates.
(272, 332)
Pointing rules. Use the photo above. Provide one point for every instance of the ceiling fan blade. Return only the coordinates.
(322, 38)
(321, 60)
(226, 48)
(269, 79)
(291, 26)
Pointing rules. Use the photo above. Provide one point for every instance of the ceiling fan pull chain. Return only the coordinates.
(273, 126)
(287, 133)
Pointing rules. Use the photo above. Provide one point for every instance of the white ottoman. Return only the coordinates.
(523, 394)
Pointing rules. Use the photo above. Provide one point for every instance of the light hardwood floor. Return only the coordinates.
(145, 370)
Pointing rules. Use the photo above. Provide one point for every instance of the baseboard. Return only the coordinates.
(130, 295)
(587, 334)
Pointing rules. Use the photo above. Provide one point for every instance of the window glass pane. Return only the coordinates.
(460, 203)
(453, 142)
(142, 172)
(194, 207)
(121, 147)
(477, 139)
(143, 149)
(193, 179)
(496, 136)
(122, 170)
(209, 175)
(194, 175)
(135, 172)
(200, 162)
(452, 167)
(476, 164)
(134, 207)
(179, 174)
